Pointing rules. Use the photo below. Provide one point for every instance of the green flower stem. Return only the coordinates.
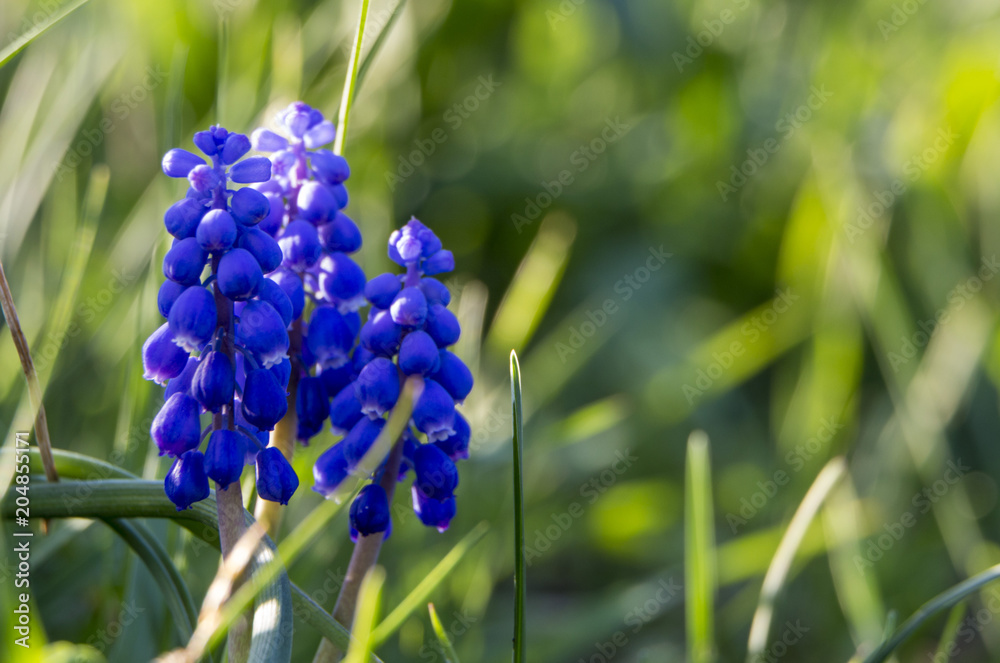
(347, 97)
(367, 548)
(229, 502)
(365, 554)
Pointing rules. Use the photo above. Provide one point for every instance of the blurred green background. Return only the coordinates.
(773, 221)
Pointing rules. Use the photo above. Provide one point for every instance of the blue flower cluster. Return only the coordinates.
(407, 333)
(316, 238)
(236, 308)
(278, 256)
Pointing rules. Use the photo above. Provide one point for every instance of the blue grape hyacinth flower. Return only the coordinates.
(233, 311)
(407, 333)
(322, 283)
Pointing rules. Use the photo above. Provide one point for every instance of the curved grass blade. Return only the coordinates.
(200, 520)
(131, 498)
(699, 551)
(415, 598)
(368, 606)
(352, 76)
(36, 31)
(938, 604)
(520, 568)
(377, 45)
(950, 633)
(781, 563)
(169, 580)
(447, 650)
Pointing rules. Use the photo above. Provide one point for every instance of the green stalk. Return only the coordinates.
(368, 607)
(447, 649)
(520, 567)
(366, 550)
(699, 551)
(347, 97)
(229, 501)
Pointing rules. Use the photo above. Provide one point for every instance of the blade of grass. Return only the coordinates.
(781, 563)
(352, 76)
(858, 594)
(520, 568)
(415, 598)
(534, 284)
(949, 633)
(38, 29)
(946, 599)
(447, 650)
(377, 45)
(699, 551)
(367, 613)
